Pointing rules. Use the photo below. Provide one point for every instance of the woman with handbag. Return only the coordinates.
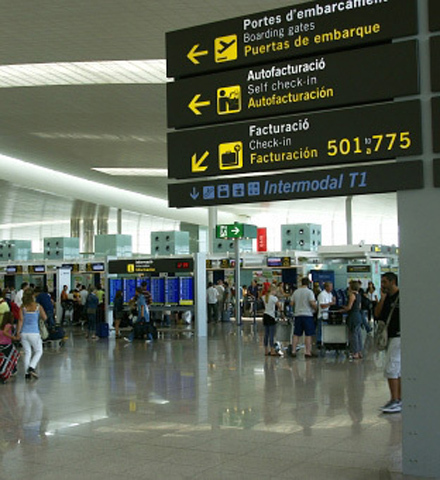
(29, 331)
(269, 321)
(354, 319)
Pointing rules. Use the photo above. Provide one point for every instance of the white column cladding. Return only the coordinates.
(200, 310)
(419, 224)
(349, 219)
(212, 222)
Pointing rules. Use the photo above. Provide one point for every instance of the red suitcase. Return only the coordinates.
(9, 356)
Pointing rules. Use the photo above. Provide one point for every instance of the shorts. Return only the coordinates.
(304, 324)
(392, 359)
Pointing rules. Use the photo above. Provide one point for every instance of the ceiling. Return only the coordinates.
(74, 128)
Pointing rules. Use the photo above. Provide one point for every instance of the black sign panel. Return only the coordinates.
(435, 63)
(434, 15)
(338, 79)
(388, 177)
(437, 172)
(37, 269)
(435, 103)
(287, 33)
(358, 268)
(332, 137)
(139, 266)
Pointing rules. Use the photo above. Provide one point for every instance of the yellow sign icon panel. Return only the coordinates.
(130, 268)
(226, 48)
(229, 100)
(230, 155)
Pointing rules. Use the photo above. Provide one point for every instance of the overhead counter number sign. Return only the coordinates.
(434, 15)
(302, 85)
(435, 63)
(375, 132)
(314, 27)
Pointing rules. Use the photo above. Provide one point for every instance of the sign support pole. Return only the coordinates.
(237, 282)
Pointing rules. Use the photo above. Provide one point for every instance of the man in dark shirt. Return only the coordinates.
(389, 305)
(45, 300)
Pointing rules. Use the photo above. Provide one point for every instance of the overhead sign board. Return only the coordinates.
(236, 230)
(435, 103)
(434, 15)
(435, 63)
(150, 265)
(289, 32)
(332, 137)
(37, 269)
(338, 79)
(387, 177)
(358, 268)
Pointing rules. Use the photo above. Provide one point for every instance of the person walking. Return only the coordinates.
(29, 331)
(212, 300)
(118, 312)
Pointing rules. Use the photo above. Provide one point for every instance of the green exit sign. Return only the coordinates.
(236, 230)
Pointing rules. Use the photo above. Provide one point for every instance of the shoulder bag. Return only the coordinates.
(381, 335)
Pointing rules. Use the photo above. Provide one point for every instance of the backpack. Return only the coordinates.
(15, 310)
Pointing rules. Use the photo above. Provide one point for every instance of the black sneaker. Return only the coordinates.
(31, 371)
(27, 376)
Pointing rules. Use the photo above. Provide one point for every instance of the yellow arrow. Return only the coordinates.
(196, 165)
(193, 54)
(195, 104)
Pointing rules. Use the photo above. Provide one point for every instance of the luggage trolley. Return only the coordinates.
(335, 333)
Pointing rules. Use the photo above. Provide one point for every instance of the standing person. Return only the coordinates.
(354, 319)
(325, 300)
(4, 306)
(280, 293)
(100, 313)
(269, 320)
(304, 303)
(212, 299)
(7, 329)
(143, 317)
(64, 299)
(45, 300)
(365, 307)
(221, 300)
(372, 296)
(92, 308)
(19, 295)
(253, 294)
(118, 311)
(388, 307)
(29, 331)
(83, 294)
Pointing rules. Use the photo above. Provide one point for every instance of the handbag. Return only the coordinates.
(381, 335)
(44, 332)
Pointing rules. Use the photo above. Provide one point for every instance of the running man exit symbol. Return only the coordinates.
(225, 48)
(229, 100)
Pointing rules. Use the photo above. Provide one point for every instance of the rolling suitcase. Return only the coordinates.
(102, 330)
(283, 332)
(9, 356)
(335, 336)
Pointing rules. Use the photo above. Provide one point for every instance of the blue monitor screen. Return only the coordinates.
(129, 289)
(172, 291)
(115, 284)
(186, 291)
(158, 290)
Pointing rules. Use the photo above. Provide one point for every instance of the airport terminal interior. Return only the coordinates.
(84, 200)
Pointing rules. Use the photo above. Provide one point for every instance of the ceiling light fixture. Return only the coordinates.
(83, 73)
(134, 172)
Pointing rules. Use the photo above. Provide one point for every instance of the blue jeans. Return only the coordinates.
(269, 335)
(355, 339)
(92, 323)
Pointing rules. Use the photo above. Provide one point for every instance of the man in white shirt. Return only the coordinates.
(212, 299)
(19, 296)
(325, 301)
(221, 299)
(304, 303)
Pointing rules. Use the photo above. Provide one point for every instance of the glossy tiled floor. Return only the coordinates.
(187, 409)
